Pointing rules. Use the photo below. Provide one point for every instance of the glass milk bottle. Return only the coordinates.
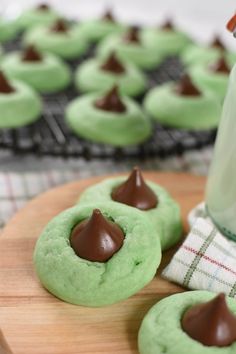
(221, 185)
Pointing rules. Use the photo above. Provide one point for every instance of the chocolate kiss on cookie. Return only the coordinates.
(59, 26)
(5, 86)
(133, 35)
(44, 7)
(31, 54)
(220, 66)
(97, 238)
(168, 26)
(217, 43)
(112, 64)
(135, 192)
(111, 102)
(108, 16)
(185, 87)
(211, 323)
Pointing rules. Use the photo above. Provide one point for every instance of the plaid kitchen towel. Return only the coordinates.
(198, 212)
(205, 261)
(16, 189)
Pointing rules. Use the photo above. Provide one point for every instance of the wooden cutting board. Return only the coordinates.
(35, 322)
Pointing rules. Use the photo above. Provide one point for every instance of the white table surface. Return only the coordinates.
(201, 18)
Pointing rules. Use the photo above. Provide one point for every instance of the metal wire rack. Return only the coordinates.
(51, 136)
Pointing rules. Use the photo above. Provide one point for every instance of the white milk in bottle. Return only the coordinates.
(221, 185)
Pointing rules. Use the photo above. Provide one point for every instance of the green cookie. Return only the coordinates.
(68, 45)
(46, 76)
(143, 55)
(89, 77)
(161, 330)
(187, 112)
(166, 42)
(1, 54)
(8, 30)
(19, 108)
(215, 82)
(87, 283)
(167, 211)
(36, 17)
(196, 54)
(117, 129)
(95, 30)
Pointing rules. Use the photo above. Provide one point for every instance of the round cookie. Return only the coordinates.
(44, 72)
(1, 53)
(8, 30)
(82, 282)
(167, 41)
(167, 210)
(197, 54)
(99, 75)
(19, 104)
(196, 111)
(115, 122)
(130, 47)
(42, 15)
(161, 330)
(213, 77)
(97, 29)
(61, 39)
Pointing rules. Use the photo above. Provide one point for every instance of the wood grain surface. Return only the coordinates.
(35, 322)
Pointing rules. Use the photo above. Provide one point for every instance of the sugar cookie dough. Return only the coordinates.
(8, 30)
(42, 15)
(167, 210)
(97, 29)
(19, 104)
(196, 109)
(213, 76)
(161, 330)
(196, 54)
(121, 122)
(166, 40)
(81, 282)
(60, 38)
(131, 47)
(46, 73)
(101, 75)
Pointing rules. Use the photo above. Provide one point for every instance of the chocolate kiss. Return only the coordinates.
(97, 238)
(217, 43)
(168, 26)
(220, 66)
(132, 35)
(31, 54)
(5, 86)
(59, 26)
(108, 16)
(111, 102)
(211, 323)
(186, 87)
(44, 7)
(113, 65)
(135, 192)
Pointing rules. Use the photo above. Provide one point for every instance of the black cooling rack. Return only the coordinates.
(50, 135)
